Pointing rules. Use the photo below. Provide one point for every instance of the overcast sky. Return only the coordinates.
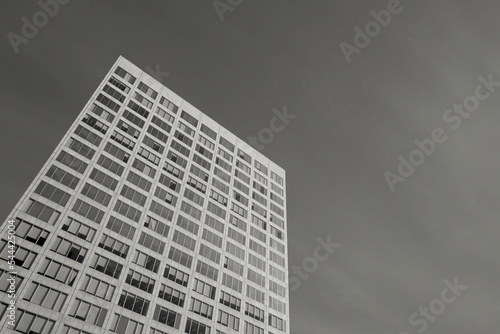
(353, 120)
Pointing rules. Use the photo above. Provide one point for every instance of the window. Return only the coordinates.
(95, 123)
(97, 287)
(230, 300)
(116, 152)
(277, 259)
(260, 167)
(191, 210)
(110, 165)
(207, 270)
(213, 238)
(188, 118)
(277, 221)
(138, 109)
(206, 142)
(148, 156)
(257, 247)
(165, 196)
(157, 226)
(120, 227)
(277, 273)
(196, 184)
(256, 294)
(52, 193)
(106, 266)
(153, 144)
(260, 210)
(220, 185)
(114, 246)
(228, 320)
(261, 199)
(186, 129)
(124, 325)
(225, 155)
(166, 115)
(256, 262)
(277, 289)
(223, 164)
(209, 132)
(135, 119)
(242, 166)
(171, 169)
(133, 195)
(214, 223)
(203, 151)
(276, 199)
(237, 236)
(199, 173)
(90, 313)
(71, 161)
(218, 197)
(41, 211)
(161, 210)
(104, 114)
(128, 129)
(193, 197)
(58, 271)
(127, 211)
(258, 234)
(144, 168)
(88, 135)
(30, 232)
(96, 194)
(134, 303)
(140, 281)
(260, 188)
(172, 295)
(139, 181)
(239, 223)
(201, 308)
(209, 253)
(161, 124)
(152, 243)
(147, 90)
(278, 179)
(277, 189)
(63, 177)
(235, 250)
(69, 249)
(276, 322)
(142, 100)
(107, 102)
(202, 162)
(223, 175)
(78, 229)
(234, 266)
(9, 283)
(117, 83)
(146, 261)
(204, 289)
(254, 312)
(80, 148)
(239, 210)
(195, 327)
(30, 323)
(216, 210)
(183, 240)
(277, 233)
(176, 275)
(277, 305)
(179, 148)
(224, 142)
(167, 317)
(277, 209)
(253, 329)
(169, 183)
(231, 282)
(125, 75)
(245, 178)
(104, 179)
(44, 296)
(256, 277)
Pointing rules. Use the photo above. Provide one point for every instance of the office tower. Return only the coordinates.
(149, 217)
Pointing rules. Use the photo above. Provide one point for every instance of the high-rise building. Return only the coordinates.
(148, 217)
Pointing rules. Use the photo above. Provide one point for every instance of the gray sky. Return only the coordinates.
(352, 122)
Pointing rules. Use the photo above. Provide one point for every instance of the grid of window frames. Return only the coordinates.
(245, 220)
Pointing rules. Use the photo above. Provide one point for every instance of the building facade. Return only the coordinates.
(149, 217)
